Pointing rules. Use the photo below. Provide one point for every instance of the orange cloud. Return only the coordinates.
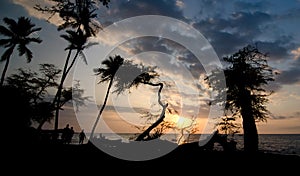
(296, 53)
(28, 5)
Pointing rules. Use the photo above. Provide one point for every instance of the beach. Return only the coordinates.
(185, 158)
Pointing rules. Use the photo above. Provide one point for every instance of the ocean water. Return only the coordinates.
(273, 143)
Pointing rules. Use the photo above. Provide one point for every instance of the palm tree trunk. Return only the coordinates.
(59, 92)
(160, 119)
(56, 100)
(102, 108)
(4, 71)
(10, 50)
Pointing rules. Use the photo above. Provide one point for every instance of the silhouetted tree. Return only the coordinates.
(74, 93)
(77, 95)
(16, 113)
(132, 75)
(77, 41)
(159, 130)
(79, 15)
(48, 78)
(228, 125)
(247, 74)
(19, 34)
(107, 74)
(25, 101)
(145, 79)
(76, 14)
(35, 86)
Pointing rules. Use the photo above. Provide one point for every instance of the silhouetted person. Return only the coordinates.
(81, 137)
(70, 135)
(65, 133)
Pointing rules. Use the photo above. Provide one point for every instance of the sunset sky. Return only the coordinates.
(226, 26)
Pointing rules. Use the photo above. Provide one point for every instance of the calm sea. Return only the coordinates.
(274, 143)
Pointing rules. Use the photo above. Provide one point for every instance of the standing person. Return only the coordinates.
(70, 135)
(81, 137)
(65, 132)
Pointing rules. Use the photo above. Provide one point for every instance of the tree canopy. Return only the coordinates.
(247, 74)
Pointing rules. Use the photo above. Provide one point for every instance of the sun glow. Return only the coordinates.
(181, 122)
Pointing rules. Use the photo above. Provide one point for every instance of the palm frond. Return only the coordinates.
(34, 30)
(24, 50)
(91, 44)
(6, 32)
(7, 53)
(37, 40)
(10, 22)
(83, 57)
(5, 42)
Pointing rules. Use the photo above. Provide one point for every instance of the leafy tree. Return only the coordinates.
(132, 75)
(228, 125)
(35, 86)
(19, 34)
(49, 75)
(247, 74)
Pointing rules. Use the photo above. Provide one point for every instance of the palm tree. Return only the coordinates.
(80, 14)
(107, 74)
(19, 34)
(76, 14)
(77, 41)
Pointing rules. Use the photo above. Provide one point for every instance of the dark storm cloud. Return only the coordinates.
(120, 10)
(290, 14)
(227, 27)
(252, 6)
(290, 76)
(182, 54)
(276, 50)
(144, 44)
(249, 23)
(227, 35)
(127, 9)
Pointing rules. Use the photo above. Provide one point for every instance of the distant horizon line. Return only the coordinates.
(177, 133)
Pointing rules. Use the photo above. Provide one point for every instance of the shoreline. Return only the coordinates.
(87, 157)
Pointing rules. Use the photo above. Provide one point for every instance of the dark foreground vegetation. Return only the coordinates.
(188, 156)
